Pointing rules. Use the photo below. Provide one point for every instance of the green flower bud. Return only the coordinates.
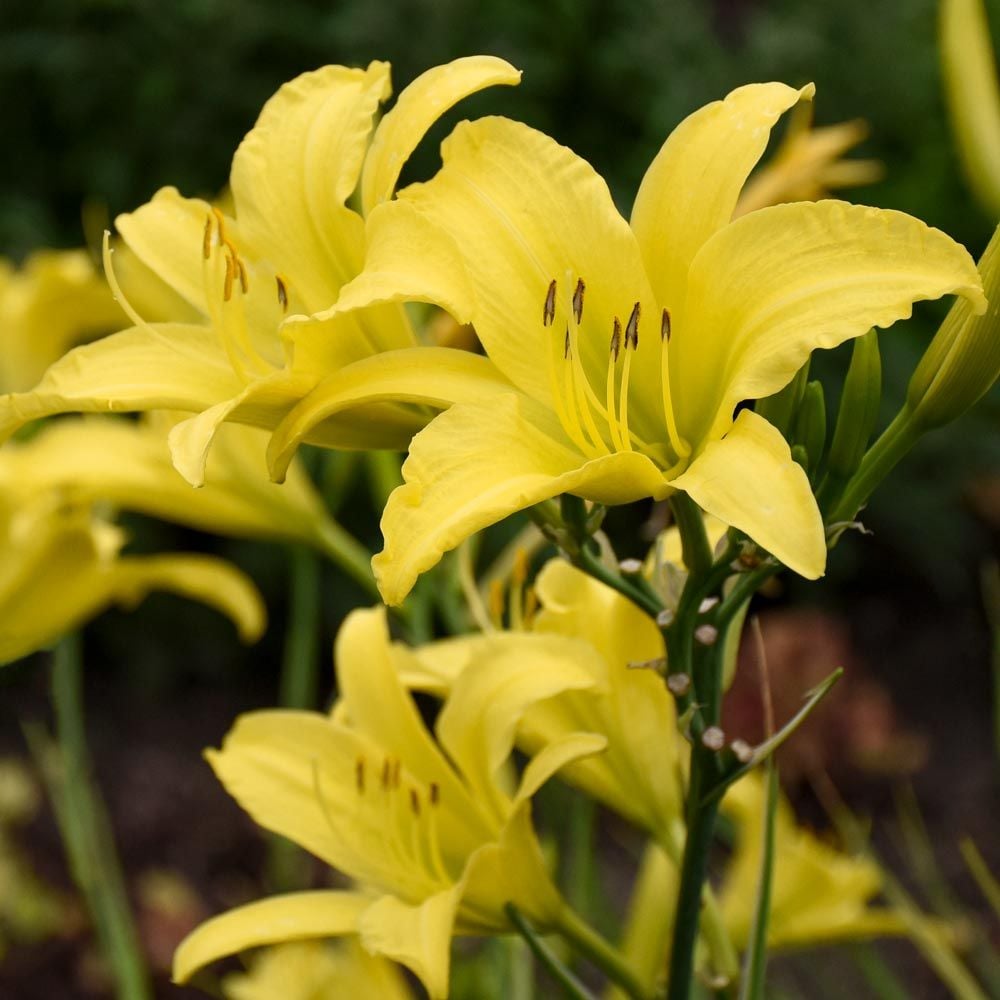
(858, 410)
(809, 430)
(963, 360)
(780, 409)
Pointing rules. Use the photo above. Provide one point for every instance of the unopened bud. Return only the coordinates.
(780, 409)
(858, 410)
(963, 360)
(809, 428)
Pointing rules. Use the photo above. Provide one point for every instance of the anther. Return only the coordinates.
(616, 339)
(414, 802)
(434, 793)
(206, 242)
(282, 292)
(665, 325)
(244, 279)
(359, 775)
(632, 329)
(221, 219)
(713, 738)
(386, 769)
(396, 768)
(567, 349)
(549, 312)
(578, 299)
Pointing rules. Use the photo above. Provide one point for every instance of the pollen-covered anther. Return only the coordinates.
(386, 773)
(244, 277)
(567, 347)
(397, 767)
(549, 309)
(616, 339)
(282, 292)
(434, 793)
(359, 775)
(578, 300)
(206, 240)
(415, 801)
(665, 326)
(632, 328)
(227, 285)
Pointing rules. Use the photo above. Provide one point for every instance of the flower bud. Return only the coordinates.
(858, 410)
(809, 428)
(780, 409)
(963, 360)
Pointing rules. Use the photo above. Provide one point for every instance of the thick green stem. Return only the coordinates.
(697, 553)
(86, 831)
(605, 956)
(300, 664)
(694, 867)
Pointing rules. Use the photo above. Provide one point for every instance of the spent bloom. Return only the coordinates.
(631, 345)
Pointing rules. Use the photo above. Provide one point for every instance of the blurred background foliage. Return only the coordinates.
(107, 100)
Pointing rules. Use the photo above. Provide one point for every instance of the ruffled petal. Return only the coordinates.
(693, 184)
(430, 376)
(293, 917)
(418, 106)
(774, 285)
(749, 480)
(474, 465)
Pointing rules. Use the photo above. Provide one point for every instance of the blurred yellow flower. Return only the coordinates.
(437, 846)
(631, 346)
(57, 300)
(259, 283)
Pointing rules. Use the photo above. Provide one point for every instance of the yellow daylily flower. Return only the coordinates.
(61, 566)
(631, 346)
(55, 301)
(819, 895)
(311, 970)
(127, 464)
(809, 164)
(436, 846)
(581, 621)
(262, 280)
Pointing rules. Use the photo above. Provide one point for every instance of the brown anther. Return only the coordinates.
(665, 325)
(434, 793)
(227, 287)
(632, 328)
(359, 775)
(616, 339)
(206, 241)
(549, 312)
(244, 279)
(414, 802)
(578, 299)
(282, 292)
(567, 346)
(397, 767)
(386, 771)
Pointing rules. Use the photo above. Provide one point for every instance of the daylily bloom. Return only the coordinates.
(310, 970)
(631, 346)
(259, 283)
(437, 846)
(55, 301)
(61, 566)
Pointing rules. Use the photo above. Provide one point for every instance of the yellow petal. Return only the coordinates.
(293, 917)
(554, 757)
(692, 186)
(510, 211)
(293, 172)
(776, 284)
(167, 235)
(419, 105)
(477, 725)
(431, 376)
(472, 466)
(166, 366)
(749, 480)
(418, 936)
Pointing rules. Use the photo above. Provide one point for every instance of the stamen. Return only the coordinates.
(206, 241)
(496, 603)
(616, 339)
(680, 448)
(397, 766)
(386, 770)
(616, 346)
(578, 299)
(632, 329)
(359, 775)
(282, 292)
(221, 219)
(434, 792)
(549, 310)
(244, 279)
(665, 326)
(567, 350)
(227, 288)
(414, 802)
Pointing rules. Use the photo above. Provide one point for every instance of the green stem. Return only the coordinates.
(590, 562)
(697, 553)
(348, 554)
(694, 868)
(897, 439)
(605, 956)
(86, 830)
(570, 984)
(300, 664)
